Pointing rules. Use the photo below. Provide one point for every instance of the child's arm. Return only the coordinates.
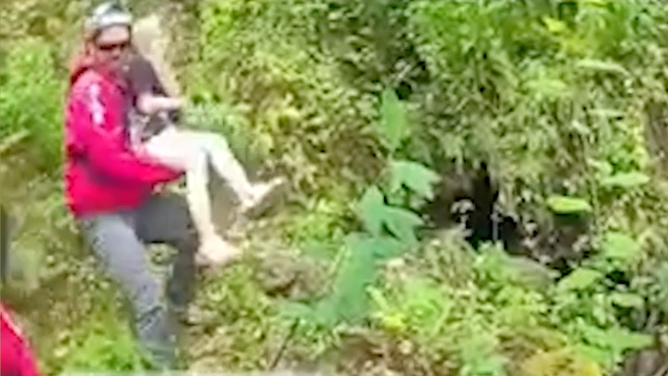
(150, 96)
(150, 104)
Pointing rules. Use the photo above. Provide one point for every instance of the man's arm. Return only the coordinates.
(99, 129)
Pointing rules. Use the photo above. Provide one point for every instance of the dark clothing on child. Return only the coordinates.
(142, 78)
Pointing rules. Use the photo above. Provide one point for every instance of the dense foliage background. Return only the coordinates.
(366, 106)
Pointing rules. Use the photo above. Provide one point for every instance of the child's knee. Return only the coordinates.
(197, 159)
(215, 141)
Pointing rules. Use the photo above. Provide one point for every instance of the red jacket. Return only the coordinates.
(16, 358)
(101, 173)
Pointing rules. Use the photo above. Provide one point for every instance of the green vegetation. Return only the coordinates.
(364, 104)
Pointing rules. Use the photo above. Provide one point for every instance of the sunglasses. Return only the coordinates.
(108, 47)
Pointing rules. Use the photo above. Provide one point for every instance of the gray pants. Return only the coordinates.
(118, 241)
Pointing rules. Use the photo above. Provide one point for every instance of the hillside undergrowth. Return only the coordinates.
(366, 106)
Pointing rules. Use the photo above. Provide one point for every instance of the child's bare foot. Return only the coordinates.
(215, 251)
(259, 196)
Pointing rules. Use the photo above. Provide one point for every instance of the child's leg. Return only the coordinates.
(180, 151)
(213, 247)
(224, 162)
(197, 177)
(229, 168)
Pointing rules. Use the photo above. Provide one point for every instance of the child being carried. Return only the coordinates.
(153, 133)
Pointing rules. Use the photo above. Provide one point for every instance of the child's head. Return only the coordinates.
(143, 81)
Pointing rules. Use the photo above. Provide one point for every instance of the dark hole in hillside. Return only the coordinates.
(648, 362)
(567, 11)
(470, 197)
(404, 90)
(560, 243)
(618, 278)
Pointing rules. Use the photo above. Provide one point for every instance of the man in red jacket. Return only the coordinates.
(110, 190)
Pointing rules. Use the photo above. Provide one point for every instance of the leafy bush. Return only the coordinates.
(302, 115)
(29, 80)
(360, 102)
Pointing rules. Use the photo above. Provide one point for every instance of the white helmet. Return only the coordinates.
(111, 13)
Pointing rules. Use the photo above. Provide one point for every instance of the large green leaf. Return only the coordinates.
(568, 205)
(554, 25)
(349, 299)
(602, 66)
(619, 246)
(415, 176)
(402, 223)
(580, 279)
(372, 209)
(300, 311)
(661, 275)
(622, 339)
(381, 247)
(626, 180)
(393, 125)
(376, 215)
(627, 300)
